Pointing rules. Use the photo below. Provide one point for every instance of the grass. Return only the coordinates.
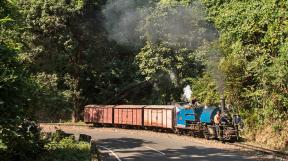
(80, 123)
(66, 150)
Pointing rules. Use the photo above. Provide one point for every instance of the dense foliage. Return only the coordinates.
(19, 134)
(254, 37)
(169, 69)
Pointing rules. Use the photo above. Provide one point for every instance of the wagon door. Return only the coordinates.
(129, 117)
(169, 118)
(109, 115)
(123, 114)
(159, 118)
(101, 115)
(154, 117)
(94, 115)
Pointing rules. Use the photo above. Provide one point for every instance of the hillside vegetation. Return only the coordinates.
(254, 39)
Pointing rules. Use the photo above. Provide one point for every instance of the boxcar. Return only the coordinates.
(98, 114)
(160, 116)
(128, 115)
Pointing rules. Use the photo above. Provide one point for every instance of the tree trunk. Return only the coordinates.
(75, 112)
(75, 116)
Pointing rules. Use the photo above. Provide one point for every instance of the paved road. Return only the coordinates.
(139, 145)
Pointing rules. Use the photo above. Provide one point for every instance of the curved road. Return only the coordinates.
(140, 145)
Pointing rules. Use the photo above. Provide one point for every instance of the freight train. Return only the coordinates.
(178, 118)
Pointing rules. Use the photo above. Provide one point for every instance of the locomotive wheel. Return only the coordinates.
(232, 141)
(206, 134)
(96, 125)
(191, 133)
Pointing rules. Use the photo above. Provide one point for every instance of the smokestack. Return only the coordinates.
(222, 104)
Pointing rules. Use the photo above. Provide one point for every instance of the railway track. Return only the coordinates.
(262, 150)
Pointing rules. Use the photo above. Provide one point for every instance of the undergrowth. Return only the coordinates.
(61, 148)
(269, 135)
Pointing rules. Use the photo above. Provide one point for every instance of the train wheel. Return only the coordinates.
(177, 131)
(232, 141)
(206, 134)
(193, 133)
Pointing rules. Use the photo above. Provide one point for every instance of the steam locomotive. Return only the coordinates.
(179, 118)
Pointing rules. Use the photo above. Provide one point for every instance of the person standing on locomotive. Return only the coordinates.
(194, 102)
(217, 118)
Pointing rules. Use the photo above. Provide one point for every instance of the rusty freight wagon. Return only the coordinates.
(159, 116)
(155, 116)
(128, 115)
(99, 114)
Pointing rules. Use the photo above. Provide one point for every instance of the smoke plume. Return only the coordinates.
(213, 59)
(130, 22)
(121, 20)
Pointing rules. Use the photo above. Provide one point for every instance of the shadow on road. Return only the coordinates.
(123, 143)
(189, 153)
(129, 149)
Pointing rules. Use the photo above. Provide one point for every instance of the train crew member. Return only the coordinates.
(217, 118)
(236, 121)
(195, 102)
(224, 119)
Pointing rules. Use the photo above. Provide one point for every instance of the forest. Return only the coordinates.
(57, 56)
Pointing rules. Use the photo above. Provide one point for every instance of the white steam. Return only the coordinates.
(187, 93)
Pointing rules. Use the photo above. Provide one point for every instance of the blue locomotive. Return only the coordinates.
(199, 121)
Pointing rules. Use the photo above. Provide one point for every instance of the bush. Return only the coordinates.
(21, 142)
(58, 136)
(66, 149)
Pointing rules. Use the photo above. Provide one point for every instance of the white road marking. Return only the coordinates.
(148, 147)
(110, 152)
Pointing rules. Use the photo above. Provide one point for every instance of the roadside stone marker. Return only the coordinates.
(85, 138)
